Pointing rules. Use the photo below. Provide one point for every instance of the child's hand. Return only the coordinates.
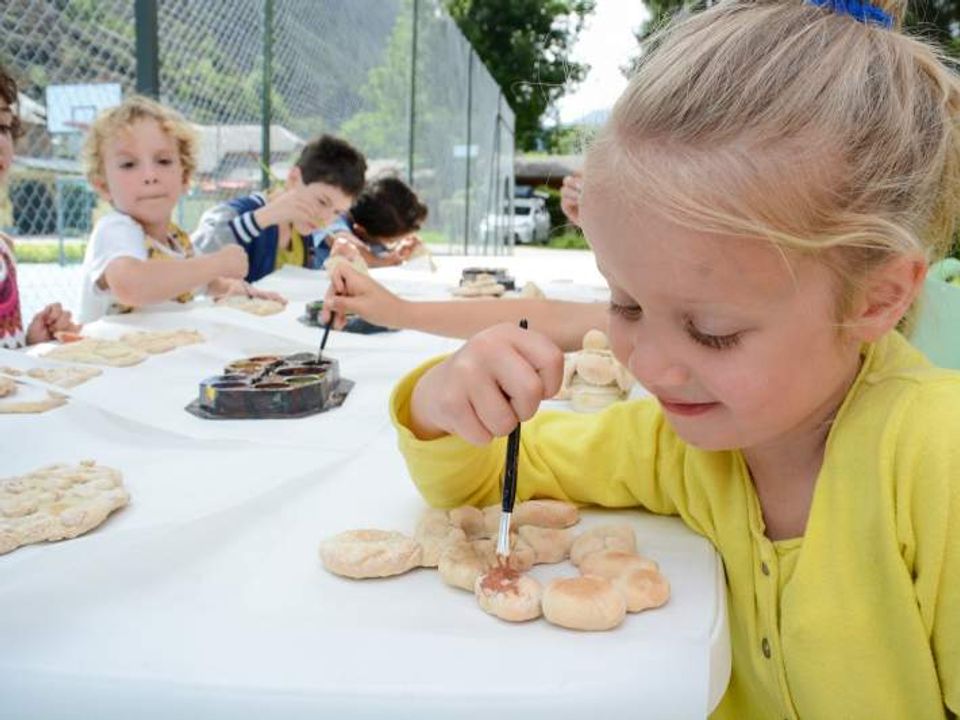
(406, 247)
(224, 287)
(345, 246)
(299, 206)
(232, 261)
(570, 196)
(484, 389)
(351, 291)
(49, 321)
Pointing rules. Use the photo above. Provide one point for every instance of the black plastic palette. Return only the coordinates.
(272, 386)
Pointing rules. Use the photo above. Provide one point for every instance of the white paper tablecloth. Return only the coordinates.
(205, 597)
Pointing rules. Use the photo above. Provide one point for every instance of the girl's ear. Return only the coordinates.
(887, 295)
(294, 177)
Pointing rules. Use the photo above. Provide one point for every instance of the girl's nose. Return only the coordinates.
(654, 367)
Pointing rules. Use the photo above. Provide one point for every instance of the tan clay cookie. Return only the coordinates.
(57, 502)
(481, 286)
(161, 341)
(584, 603)
(7, 386)
(95, 351)
(505, 593)
(65, 376)
(32, 407)
(370, 553)
(254, 306)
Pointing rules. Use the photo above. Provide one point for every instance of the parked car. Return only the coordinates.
(530, 222)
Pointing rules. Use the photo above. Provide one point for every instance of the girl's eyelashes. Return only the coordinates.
(717, 342)
(634, 312)
(627, 312)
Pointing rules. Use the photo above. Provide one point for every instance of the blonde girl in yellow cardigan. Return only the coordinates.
(764, 203)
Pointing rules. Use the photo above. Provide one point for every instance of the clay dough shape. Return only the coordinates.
(584, 603)
(370, 553)
(508, 595)
(96, 351)
(482, 286)
(254, 306)
(66, 376)
(57, 502)
(161, 341)
(8, 388)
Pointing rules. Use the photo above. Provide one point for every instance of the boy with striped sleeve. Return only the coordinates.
(274, 229)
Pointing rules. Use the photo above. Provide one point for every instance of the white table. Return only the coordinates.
(205, 597)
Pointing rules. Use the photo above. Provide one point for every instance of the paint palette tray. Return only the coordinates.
(272, 386)
(501, 275)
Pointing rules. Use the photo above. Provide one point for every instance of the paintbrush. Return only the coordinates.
(509, 486)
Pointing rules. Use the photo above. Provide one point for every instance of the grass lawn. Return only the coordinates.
(49, 251)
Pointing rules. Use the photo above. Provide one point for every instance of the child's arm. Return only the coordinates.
(221, 226)
(224, 287)
(927, 459)
(564, 323)
(570, 196)
(297, 206)
(612, 459)
(363, 250)
(142, 282)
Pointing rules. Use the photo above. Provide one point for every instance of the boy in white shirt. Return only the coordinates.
(140, 157)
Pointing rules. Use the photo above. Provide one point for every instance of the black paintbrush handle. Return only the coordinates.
(513, 451)
(510, 474)
(323, 340)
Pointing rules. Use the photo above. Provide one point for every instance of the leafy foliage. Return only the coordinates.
(526, 46)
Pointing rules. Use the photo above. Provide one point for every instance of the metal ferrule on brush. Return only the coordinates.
(503, 536)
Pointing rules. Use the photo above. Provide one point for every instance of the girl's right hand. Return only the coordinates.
(482, 391)
(231, 262)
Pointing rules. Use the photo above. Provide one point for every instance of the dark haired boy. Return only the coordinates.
(385, 212)
(275, 229)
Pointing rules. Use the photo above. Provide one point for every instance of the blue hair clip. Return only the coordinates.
(862, 11)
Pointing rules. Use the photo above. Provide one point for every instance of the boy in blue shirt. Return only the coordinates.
(275, 228)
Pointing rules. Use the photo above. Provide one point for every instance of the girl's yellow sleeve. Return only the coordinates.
(928, 517)
(610, 459)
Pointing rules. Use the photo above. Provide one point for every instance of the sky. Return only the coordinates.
(606, 43)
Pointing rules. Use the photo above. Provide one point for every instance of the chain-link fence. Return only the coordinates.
(394, 77)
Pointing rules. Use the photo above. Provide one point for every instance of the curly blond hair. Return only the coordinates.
(117, 119)
(789, 121)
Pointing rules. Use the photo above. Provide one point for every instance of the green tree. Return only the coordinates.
(526, 46)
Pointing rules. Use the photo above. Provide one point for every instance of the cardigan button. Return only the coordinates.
(764, 568)
(765, 647)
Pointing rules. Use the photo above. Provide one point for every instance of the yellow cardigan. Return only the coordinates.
(859, 618)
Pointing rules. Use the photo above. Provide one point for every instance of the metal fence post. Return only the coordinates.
(59, 201)
(148, 48)
(413, 92)
(266, 109)
(466, 205)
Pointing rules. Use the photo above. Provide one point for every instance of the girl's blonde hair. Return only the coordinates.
(788, 121)
(118, 119)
